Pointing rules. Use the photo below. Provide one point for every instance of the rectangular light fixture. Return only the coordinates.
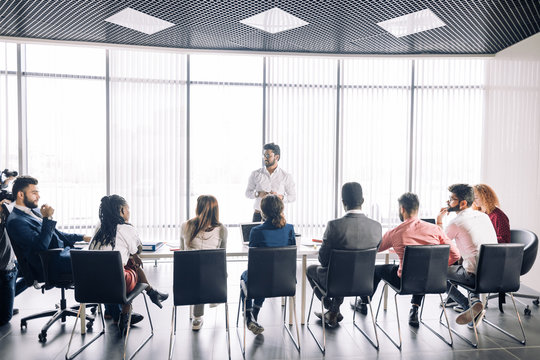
(412, 23)
(274, 21)
(139, 21)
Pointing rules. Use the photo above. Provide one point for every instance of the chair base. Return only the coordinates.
(292, 306)
(61, 313)
(475, 344)
(526, 311)
(173, 330)
(100, 312)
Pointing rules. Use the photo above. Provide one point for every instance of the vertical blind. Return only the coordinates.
(447, 134)
(393, 125)
(375, 131)
(301, 118)
(148, 139)
(8, 107)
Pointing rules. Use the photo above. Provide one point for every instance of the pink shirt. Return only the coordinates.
(414, 231)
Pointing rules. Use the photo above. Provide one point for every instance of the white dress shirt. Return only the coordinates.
(127, 242)
(279, 181)
(470, 229)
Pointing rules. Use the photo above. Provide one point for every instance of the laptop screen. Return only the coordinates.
(246, 229)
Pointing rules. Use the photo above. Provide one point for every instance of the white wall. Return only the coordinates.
(511, 149)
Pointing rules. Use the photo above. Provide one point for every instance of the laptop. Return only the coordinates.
(431, 221)
(246, 229)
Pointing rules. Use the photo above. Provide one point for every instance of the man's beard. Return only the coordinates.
(401, 217)
(28, 203)
(453, 208)
(269, 164)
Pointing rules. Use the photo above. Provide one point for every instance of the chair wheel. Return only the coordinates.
(527, 311)
(23, 324)
(89, 325)
(93, 311)
(42, 337)
(536, 302)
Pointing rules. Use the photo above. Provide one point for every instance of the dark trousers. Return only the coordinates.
(256, 217)
(460, 275)
(249, 302)
(315, 276)
(9, 288)
(388, 272)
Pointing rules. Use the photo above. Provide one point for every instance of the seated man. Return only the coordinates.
(34, 232)
(412, 231)
(354, 231)
(470, 229)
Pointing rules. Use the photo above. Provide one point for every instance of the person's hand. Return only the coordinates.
(137, 260)
(441, 215)
(87, 238)
(46, 210)
(278, 195)
(262, 194)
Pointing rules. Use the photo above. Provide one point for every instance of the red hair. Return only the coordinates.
(487, 196)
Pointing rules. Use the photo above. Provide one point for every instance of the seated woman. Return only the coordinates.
(115, 233)
(274, 232)
(204, 231)
(486, 201)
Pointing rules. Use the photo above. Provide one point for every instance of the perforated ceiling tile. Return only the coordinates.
(335, 26)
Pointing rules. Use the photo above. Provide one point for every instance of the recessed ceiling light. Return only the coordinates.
(412, 23)
(273, 21)
(139, 21)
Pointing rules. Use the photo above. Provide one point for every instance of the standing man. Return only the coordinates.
(270, 180)
(470, 229)
(412, 231)
(34, 231)
(354, 231)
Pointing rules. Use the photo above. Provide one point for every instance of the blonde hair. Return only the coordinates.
(488, 197)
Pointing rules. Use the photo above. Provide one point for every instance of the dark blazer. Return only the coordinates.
(267, 235)
(351, 232)
(31, 237)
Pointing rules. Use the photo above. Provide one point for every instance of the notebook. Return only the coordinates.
(246, 229)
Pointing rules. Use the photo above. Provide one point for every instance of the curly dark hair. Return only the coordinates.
(110, 218)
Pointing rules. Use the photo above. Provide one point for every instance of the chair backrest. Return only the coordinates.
(499, 268)
(424, 269)
(52, 277)
(98, 276)
(530, 240)
(350, 273)
(200, 277)
(271, 272)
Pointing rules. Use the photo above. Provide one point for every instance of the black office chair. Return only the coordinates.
(498, 270)
(34, 278)
(200, 277)
(424, 272)
(530, 241)
(350, 273)
(53, 279)
(271, 273)
(98, 277)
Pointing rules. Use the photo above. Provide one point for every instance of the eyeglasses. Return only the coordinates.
(267, 155)
(451, 199)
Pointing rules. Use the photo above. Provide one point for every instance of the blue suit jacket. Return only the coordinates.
(31, 237)
(267, 235)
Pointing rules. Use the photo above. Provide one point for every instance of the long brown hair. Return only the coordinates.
(272, 208)
(207, 216)
(488, 197)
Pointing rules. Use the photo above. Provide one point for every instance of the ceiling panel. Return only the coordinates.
(335, 27)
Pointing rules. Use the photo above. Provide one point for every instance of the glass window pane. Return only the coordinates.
(225, 146)
(65, 60)
(66, 147)
(226, 68)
